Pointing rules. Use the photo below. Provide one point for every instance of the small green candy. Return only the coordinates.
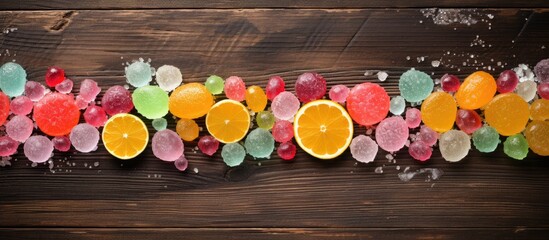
(214, 84)
(233, 154)
(151, 101)
(259, 143)
(486, 139)
(516, 146)
(265, 120)
(159, 124)
(12, 79)
(415, 85)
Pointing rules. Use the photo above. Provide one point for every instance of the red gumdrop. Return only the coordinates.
(286, 151)
(543, 90)
(208, 145)
(310, 86)
(275, 85)
(4, 108)
(8, 146)
(283, 131)
(117, 99)
(468, 121)
(54, 76)
(368, 103)
(507, 81)
(56, 114)
(420, 151)
(450, 83)
(61, 143)
(95, 116)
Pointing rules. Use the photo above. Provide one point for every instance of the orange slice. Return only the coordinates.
(323, 129)
(228, 121)
(125, 136)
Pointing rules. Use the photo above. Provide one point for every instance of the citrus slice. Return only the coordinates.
(125, 136)
(228, 121)
(323, 129)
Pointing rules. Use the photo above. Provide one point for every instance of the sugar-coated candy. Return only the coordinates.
(286, 151)
(265, 119)
(420, 151)
(537, 135)
(310, 86)
(65, 86)
(89, 90)
(427, 135)
(38, 149)
(8, 146)
(275, 85)
(233, 154)
(117, 99)
(527, 90)
(256, 98)
(415, 85)
(12, 79)
(363, 149)
(507, 113)
(151, 102)
(438, 111)
(84, 137)
(159, 124)
(539, 110)
(139, 74)
(259, 143)
(454, 145)
(283, 131)
(19, 128)
(95, 116)
(516, 146)
(34, 90)
(56, 114)
(413, 117)
(54, 76)
(191, 100)
(4, 108)
(476, 91)
(181, 163)
(21, 105)
(507, 81)
(339, 93)
(187, 129)
(449, 83)
(468, 121)
(486, 139)
(168, 77)
(214, 84)
(543, 90)
(397, 105)
(208, 145)
(542, 70)
(392, 133)
(285, 106)
(167, 145)
(81, 103)
(235, 88)
(368, 103)
(61, 143)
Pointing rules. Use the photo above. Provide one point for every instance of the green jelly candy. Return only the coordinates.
(265, 120)
(215, 84)
(150, 101)
(259, 143)
(516, 146)
(12, 79)
(415, 85)
(159, 124)
(486, 139)
(233, 154)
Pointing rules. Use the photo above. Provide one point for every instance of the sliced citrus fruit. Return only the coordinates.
(125, 136)
(228, 121)
(323, 129)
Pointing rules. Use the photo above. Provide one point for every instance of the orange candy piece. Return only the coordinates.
(539, 110)
(438, 111)
(191, 100)
(476, 91)
(508, 113)
(537, 135)
(56, 114)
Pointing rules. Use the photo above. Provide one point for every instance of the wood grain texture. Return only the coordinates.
(485, 195)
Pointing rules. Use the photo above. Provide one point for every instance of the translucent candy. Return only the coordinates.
(507, 81)
(542, 70)
(167, 145)
(81, 103)
(454, 145)
(413, 117)
(65, 86)
(310, 86)
(19, 128)
(187, 129)
(392, 133)
(449, 83)
(286, 151)
(84, 137)
(275, 85)
(486, 139)
(12, 79)
(285, 106)
(468, 121)
(61, 143)
(438, 111)
(139, 74)
(181, 163)
(191, 100)
(159, 124)
(233, 154)
(8, 146)
(34, 90)
(283, 131)
(476, 91)
(117, 99)
(4, 108)
(214, 84)
(339, 93)
(516, 146)
(235, 88)
(397, 105)
(151, 102)
(38, 149)
(56, 114)
(363, 149)
(427, 135)
(54, 76)
(21, 105)
(95, 116)
(543, 90)
(539, 110)
(537, 134)
(89, 90)
(415, 85)
(168, 77)
(527, 90)
(420, 151)
(259, 143)
(265, 120)
(507, 113)
(368, 103)
(208, 145)
(256, 98)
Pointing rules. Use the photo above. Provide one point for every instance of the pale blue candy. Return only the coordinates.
(139, 74)
(259, 143)
(233, 154)
(159, 124)
(486, 139)
(12, 79)
(397, 105)
(415, 85)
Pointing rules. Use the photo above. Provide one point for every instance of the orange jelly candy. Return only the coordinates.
(508, 113)
(438, 111)
(537, 135)
(56, 114)
(476, 91)
(539, 110)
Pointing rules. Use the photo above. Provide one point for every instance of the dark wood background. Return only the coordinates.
(94, 196)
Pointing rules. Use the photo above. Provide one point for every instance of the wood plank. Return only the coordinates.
(235, 4)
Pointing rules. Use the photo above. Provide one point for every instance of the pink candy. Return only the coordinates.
(339, 93)
(95, 116)
(275, 86)
(89, 90)
(235, 88)
(286, 150)
(310, 86)
(392, 133)
(117, 99)
(21, 105)
(413, 117)
(208, 145)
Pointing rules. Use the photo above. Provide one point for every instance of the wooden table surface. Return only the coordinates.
(95, 196)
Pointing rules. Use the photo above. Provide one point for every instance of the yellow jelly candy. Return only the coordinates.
(537, 135)
(438, 111)
(539, 110)
(508, 113)
(256, 98)
(476, 91)
(187, 129)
